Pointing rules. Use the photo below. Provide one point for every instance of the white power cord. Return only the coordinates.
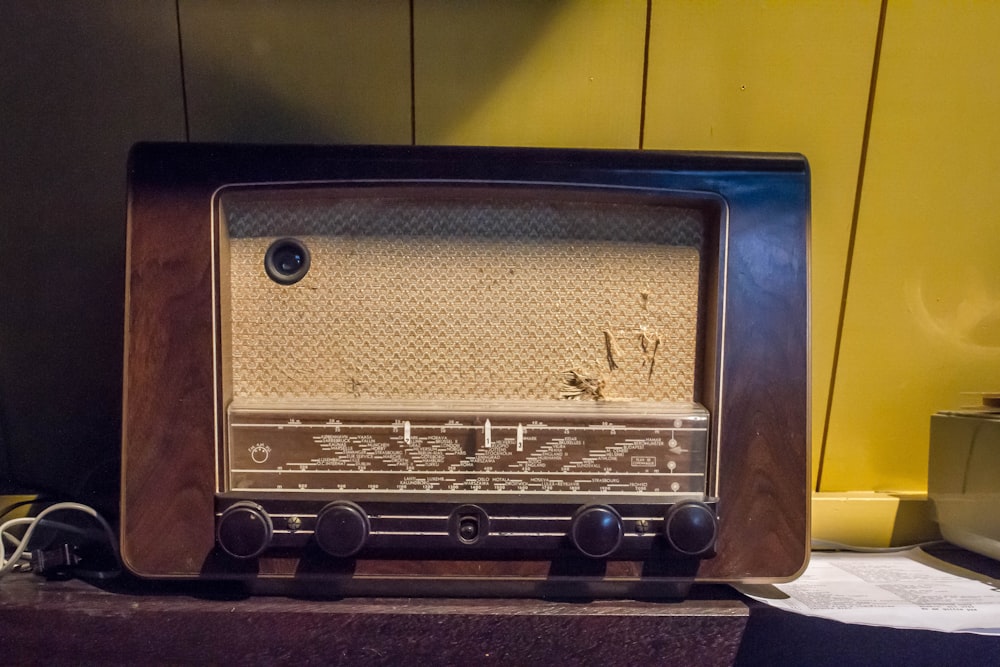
(21, 545)
(828, 545)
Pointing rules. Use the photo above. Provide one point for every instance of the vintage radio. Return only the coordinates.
(465, 371)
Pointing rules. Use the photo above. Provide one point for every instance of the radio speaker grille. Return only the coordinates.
(510, 297)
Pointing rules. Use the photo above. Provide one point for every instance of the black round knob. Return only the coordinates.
(244, 530)
(691, 528)
(341, 529)
(286, 261)
(597, 530)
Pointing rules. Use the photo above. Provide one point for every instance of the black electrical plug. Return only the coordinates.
(55, 563)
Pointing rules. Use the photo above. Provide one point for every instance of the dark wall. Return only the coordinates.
(79, 83)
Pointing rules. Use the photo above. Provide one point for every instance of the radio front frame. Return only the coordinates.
(759, 404)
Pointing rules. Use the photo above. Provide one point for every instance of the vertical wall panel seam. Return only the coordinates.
(413, 81)
(645, 75)
(852, 237)
(180, 58)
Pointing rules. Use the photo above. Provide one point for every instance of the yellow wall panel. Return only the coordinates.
(923, 312)
(529, 73)
(297, 70)
(774, 76)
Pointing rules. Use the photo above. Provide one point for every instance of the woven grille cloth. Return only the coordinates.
(453, 299)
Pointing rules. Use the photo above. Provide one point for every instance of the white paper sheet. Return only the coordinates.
(907, 589)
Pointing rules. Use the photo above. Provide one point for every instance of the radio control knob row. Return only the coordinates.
(342, 528)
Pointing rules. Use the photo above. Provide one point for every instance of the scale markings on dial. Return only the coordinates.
(474, 452)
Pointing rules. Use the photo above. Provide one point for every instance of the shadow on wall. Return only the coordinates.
(80, 85)
(297, 72)
(465, 51)
(316, 71)
(78, 89)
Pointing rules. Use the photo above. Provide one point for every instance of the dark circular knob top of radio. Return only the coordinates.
(342, 529)
(244, 530)
(691, 528)
(286, 261)
(597, 530)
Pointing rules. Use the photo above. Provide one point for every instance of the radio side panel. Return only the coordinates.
(764, 397)
(170, 418)
(168, 421)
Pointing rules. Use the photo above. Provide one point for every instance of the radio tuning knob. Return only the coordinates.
(597, 530)
(244, 530)
(691, 528)
(341, 529)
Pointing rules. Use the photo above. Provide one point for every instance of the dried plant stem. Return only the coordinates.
(649, 345)
(577, 385)
(612, 350)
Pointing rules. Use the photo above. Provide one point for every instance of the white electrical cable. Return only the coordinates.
(827, 545)
(6, 565)
(12, 538)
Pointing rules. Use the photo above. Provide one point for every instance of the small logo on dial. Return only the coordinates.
(259, 452)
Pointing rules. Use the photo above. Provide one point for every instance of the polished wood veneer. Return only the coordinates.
(760, 401)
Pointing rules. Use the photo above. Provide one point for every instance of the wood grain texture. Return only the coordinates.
(764, 408)
(760, 400)
(168, 471)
